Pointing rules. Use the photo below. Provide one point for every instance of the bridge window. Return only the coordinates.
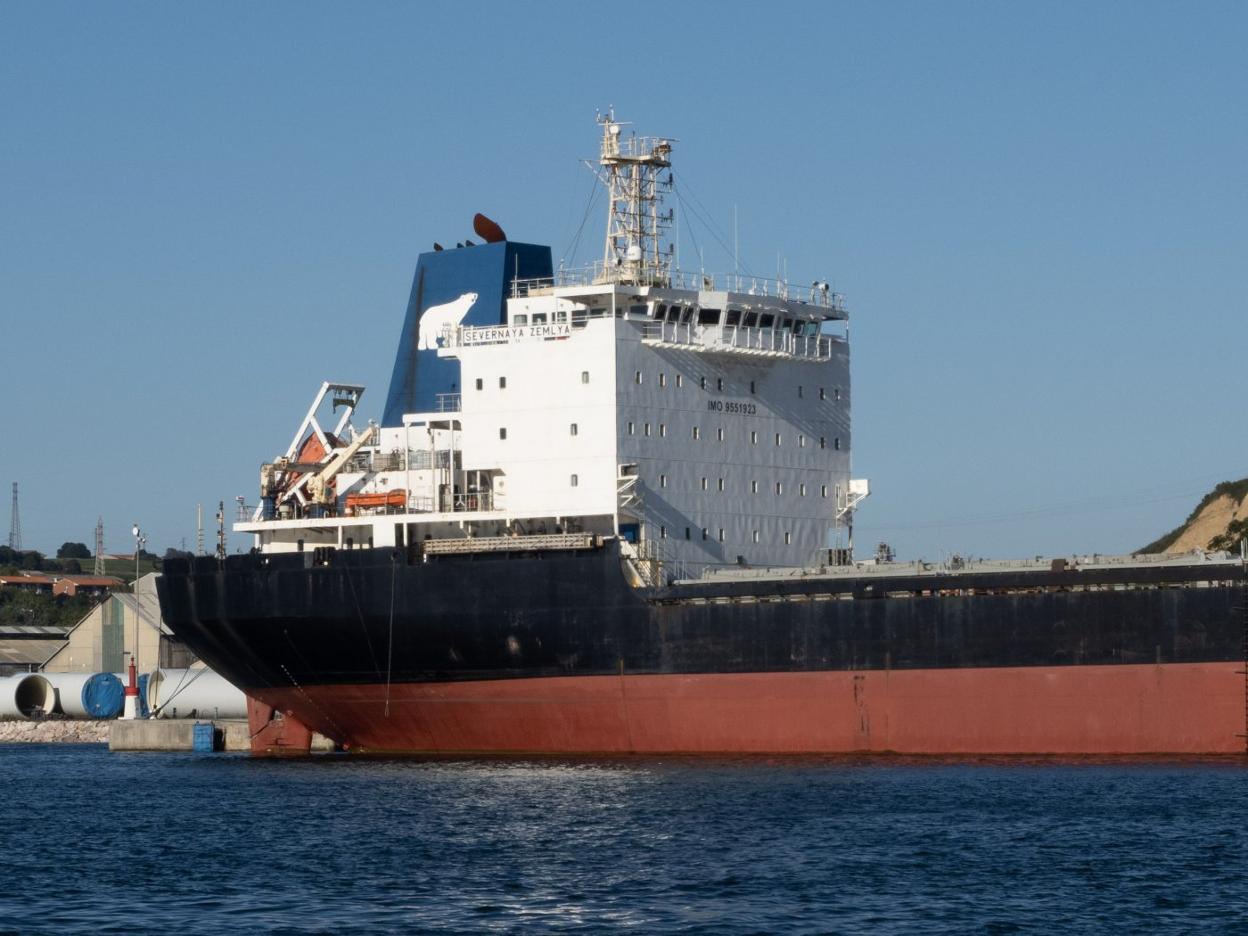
(539, 318)
(660, 311)
(765, 320)
(597, 312)
(733, 317)
(751, 320)
(687, 315)
(520, 318)
(638, 309)
(708, 316)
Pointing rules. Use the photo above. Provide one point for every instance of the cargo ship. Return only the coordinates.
(611, 511)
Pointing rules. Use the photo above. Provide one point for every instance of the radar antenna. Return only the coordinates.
(634, 254)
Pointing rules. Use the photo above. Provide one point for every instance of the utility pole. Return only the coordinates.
(199, 529)
(99, 546)
(15, 523)
(221, 531)
(131, 710)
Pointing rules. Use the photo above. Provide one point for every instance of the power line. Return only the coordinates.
(15, 523)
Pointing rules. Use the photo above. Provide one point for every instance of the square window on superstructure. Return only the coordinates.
(753, 487)
(520, 318)
(572, 429)
(680, 381)
(575, 481)
(584, 376)
(696, 433)
(836, 443)
(502, 383)
(662, 480)
(637, 377)
(632, 429)
(721, 485)
(719, 434)
(788, 538)
(539, 318)
(753, 437)
(502, 432)
(662, 430)
(662, 380)
(647, 430)
(480, 384)
(704, 484)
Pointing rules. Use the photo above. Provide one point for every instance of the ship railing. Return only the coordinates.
(599, 273)
(423, 459)
(766, 341)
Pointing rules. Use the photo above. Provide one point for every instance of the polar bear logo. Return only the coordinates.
(436, 319)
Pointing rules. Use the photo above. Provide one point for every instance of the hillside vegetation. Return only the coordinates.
(1220, 521)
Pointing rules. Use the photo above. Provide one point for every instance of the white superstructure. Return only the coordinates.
(704, 421)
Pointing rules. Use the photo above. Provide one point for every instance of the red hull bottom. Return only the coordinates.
(1147, 709)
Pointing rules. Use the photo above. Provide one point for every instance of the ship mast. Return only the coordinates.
(635, 217)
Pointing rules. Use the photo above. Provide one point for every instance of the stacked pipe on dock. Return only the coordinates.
(27, 695)
(193, 693)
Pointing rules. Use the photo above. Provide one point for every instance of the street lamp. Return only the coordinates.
(132, 686)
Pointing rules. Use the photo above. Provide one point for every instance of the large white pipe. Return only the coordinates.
(194, 693)
(26, 695)
(87, 695)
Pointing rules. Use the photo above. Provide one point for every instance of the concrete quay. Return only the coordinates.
(178, 734)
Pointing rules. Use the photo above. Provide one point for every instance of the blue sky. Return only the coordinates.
(1037, 212)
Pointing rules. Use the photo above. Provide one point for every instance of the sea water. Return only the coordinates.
(93, 842)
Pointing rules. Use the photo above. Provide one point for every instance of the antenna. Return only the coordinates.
(99, 546)
(633, 253)
(221, 530)
(15, 523)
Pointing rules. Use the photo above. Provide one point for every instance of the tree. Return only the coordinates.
(73, 551)
(71, 566)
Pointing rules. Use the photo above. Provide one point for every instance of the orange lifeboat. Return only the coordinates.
(396, 499)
